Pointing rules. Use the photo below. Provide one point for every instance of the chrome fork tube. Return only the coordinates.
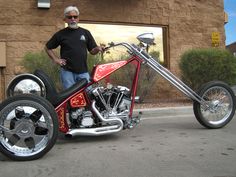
(165, 73)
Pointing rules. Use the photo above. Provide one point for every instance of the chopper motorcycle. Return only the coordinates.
(34, 111)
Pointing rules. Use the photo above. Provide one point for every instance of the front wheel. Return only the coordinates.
(28, 127)
(220, 108)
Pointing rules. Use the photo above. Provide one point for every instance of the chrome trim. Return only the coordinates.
(25, 75)
(117, 125)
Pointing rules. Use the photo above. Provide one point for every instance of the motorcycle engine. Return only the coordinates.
(81, 118)
(113, 101)
(110, 101)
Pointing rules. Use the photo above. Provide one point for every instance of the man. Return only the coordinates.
(74, 42)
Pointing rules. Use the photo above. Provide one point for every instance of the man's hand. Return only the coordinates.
(97, 49)
(102, 47)
(60, 61)
(54, 57)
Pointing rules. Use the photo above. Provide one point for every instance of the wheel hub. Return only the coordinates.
(24, 128)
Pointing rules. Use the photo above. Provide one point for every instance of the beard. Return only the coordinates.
(73, 25)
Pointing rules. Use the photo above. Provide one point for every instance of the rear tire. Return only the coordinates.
(25, 84)
(221, 100)
(28, 127)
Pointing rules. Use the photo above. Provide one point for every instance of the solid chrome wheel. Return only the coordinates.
(28, 127)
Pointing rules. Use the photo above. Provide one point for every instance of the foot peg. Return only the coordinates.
(134, 121)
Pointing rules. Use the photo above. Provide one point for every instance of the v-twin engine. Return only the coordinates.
(113, 101)
(110, 107)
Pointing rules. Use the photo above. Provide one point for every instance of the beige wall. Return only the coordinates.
(190, 23)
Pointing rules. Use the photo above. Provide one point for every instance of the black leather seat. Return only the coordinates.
(51, 93)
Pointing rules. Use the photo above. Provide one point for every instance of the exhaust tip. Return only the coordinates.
(68, 135)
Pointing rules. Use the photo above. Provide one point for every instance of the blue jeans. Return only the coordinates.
(69, 78)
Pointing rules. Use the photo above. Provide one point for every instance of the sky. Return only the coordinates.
(230, 27)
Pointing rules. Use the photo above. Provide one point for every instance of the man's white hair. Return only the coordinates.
(71, 8)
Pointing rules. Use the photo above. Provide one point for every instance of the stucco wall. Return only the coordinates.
(190, 23)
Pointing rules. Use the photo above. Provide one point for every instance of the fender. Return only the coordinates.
(24, 84)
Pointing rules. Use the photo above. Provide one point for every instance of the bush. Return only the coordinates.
(40, 60)
(94, 60)
(199, 66)
(147, 77)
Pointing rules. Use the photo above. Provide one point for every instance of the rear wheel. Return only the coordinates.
(28, 127)
(221, 105)
(25, 84)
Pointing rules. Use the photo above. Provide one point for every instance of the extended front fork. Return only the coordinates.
(165, 73)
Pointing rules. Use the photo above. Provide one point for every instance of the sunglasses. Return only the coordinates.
(70, 17)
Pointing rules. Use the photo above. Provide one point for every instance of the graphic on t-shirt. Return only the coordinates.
(82, 38)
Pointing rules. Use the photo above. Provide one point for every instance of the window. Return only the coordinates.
(106, 33)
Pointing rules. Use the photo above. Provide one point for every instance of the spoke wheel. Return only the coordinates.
(221, 105)
(28, 127)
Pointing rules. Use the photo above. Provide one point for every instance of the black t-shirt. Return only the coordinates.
(74, 44)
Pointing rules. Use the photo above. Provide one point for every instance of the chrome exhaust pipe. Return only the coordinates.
(94, 131)
(116, 127)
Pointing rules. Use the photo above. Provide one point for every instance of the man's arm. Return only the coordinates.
(54, 57)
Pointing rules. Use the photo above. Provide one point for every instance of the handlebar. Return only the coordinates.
(134, 49)
(124, 44)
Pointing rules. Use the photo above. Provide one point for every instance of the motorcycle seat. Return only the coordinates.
(54, 97)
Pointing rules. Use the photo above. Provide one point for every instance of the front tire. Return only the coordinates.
(28, 127)
(221, 101)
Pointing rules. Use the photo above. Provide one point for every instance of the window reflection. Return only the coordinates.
(106, 33)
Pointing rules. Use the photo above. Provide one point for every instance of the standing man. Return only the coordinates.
(74, 42)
